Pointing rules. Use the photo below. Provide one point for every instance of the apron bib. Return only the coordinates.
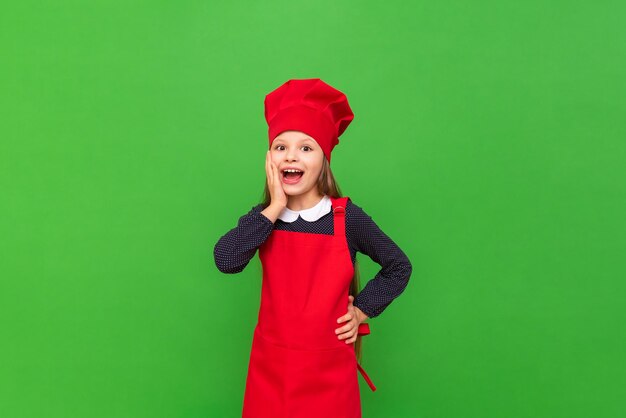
(298, 367)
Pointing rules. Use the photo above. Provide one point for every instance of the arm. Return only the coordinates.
(391, 280)
(234, 250)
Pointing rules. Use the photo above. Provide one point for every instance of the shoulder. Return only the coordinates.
(361, 230)
(358, 221)
(355, 212)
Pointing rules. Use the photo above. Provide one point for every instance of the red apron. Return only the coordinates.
(298, 367)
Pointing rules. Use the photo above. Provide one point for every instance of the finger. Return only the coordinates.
(347, 327)
(270, 167)
(348, 334)
(351, 340)
(270, 174)
(279, 186)
(267, 166)
(275, 173)
(344, 318)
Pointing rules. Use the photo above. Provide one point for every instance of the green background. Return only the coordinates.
(488, 142)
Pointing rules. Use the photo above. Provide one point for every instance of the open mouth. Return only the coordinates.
(292, 176)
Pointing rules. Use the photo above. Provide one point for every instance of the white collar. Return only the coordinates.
(311, 214)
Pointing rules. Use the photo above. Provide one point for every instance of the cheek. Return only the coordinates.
(315, 169)
(274, 159)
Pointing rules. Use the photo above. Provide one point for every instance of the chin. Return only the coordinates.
(296, 191)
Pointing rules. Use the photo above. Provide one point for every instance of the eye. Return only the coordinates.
(277, 146)
(306, 146)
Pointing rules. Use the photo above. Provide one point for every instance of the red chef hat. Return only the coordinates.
(311, 106)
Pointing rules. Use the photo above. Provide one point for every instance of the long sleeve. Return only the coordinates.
(234, 250)
(392, 278)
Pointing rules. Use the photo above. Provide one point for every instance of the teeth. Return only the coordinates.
(292, 171)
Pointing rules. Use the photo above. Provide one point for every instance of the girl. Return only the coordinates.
(306, 343)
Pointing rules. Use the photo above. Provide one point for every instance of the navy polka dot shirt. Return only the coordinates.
(234, 250)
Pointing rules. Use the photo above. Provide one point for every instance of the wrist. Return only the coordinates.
(361, 316)
(272, 211)
(277, 206)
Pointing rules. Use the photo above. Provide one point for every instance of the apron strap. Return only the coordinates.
(339, 219)
(339, 216)
(364, 329)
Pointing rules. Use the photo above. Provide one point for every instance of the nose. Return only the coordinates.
(290, 155)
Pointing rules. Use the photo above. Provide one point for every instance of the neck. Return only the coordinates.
(304, 201)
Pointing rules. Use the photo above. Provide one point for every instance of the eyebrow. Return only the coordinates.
(301, 140)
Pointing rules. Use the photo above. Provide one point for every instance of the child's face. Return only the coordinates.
(297, 150)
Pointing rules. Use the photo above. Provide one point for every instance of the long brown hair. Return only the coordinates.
(326, 184)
